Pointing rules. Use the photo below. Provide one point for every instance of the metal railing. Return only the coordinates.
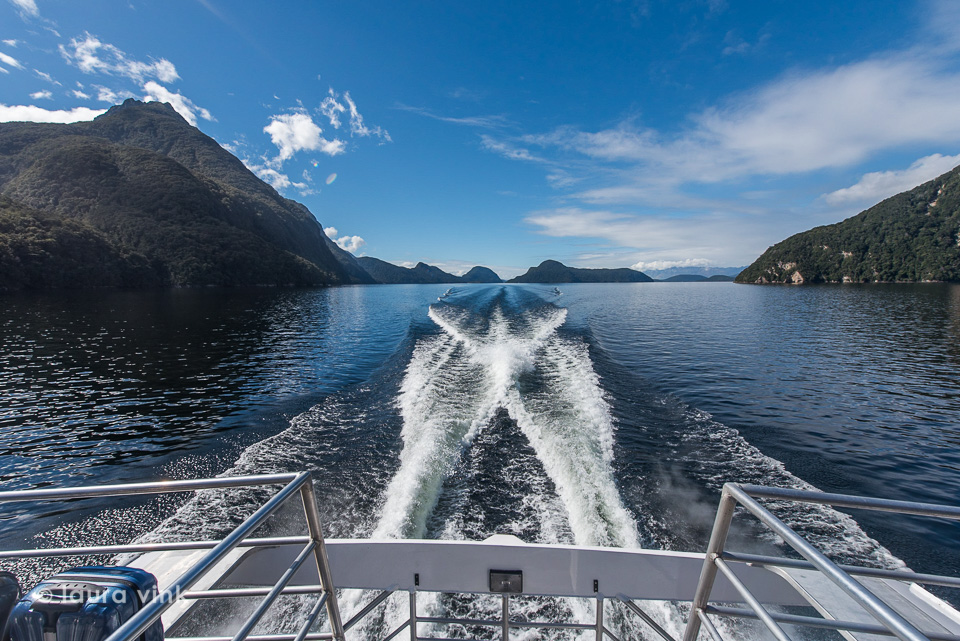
(505, 624)
(718, 559)
(313, 548)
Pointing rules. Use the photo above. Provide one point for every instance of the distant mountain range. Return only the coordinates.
(664, 274)
(698, 278)
(390, 274)
(913, 236)
(551, 271)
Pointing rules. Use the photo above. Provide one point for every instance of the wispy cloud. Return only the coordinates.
(10, 61)
(32, 113)
(495, 121)
(509, 150)
(90, 55)
(46, 77)
(26, 7)
(183, 105)
(877, 185)
(42, 95)
(709, 238)
(334, 105)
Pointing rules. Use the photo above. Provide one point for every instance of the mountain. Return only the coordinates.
(697, 278)
(481, 275)
(685, 278)
(664, 274)
(140, 189)
(551, 271)
(909, 237)
(390, 274)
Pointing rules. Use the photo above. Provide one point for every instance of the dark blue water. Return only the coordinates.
(609, 414)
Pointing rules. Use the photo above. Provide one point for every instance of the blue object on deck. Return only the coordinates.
(84, 604)
(9, 595)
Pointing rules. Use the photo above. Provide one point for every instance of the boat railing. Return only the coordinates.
(313, 547)
(883, 619)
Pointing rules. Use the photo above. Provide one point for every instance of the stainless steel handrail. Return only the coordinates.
(717, 557)
(294, 484)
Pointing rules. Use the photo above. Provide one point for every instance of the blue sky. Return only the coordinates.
(603, 134)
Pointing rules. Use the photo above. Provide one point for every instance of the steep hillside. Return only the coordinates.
(481, 275)
(390, 274)
(155, 187)
(551, 271)
(913, 236)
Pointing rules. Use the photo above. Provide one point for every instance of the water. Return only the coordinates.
(602, 415)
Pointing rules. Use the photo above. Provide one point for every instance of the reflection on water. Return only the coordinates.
(851, 389)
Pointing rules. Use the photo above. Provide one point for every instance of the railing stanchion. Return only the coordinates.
(718, 538)
(599, 618)
(320, 555)
(506, 617)
(413, 615)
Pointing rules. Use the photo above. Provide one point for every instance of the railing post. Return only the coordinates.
(506, 618)
(708, 574)
(599, 618)
(413, 615)
(320, 555)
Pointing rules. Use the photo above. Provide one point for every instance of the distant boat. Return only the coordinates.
(556, 290)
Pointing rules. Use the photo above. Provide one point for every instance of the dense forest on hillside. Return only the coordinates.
(913, 236)
(141, 194)
(552, 271)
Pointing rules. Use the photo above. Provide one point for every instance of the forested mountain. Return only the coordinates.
(551, 271)
(138, 197)
(390, 274)
(913, 236)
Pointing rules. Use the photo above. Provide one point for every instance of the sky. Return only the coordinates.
(643, 133)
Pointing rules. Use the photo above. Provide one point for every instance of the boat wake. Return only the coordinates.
(494, 420)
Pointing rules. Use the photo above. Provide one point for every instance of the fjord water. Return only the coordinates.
(603, 415)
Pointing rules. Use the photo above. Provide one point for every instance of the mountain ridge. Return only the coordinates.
(910, 237)
(150, 185)
(552, 271)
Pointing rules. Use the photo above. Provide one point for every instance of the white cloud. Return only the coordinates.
(45, 76)
(3, 70)
(80, 95)
(276, 179)
(10, 43)
(183, 106)
(26, 7)
(293, 132)
(351, 244)
(32, 113)
(657, 265)
(877, 185)
(42, 95)
(105, 94)
(91, 55)
(508, 150)
(488, 122)
(802, 122)
(10, 61)
(357, 128)
(717, 238)
(332, 109)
